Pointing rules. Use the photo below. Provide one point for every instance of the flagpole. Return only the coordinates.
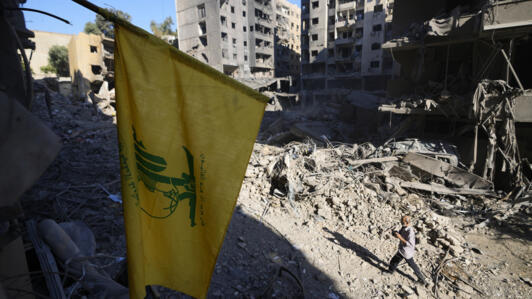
(101, 11)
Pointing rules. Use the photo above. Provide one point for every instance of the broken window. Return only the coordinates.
(377, 27)
(224, 36)
(315, 4)
(375, 46)
(359, 32)
(202, 26)
(94, 49)
(315, 21)
(314, 37)
(374, 64)
(360, 15)
(345, 52)
(201, 11)
(314, 53)
(377, 8)
(96, 69)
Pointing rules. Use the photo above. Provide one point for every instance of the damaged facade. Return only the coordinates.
(90, 60)
(341, 45)
(465, 77)
(287, 39)
(237, 37)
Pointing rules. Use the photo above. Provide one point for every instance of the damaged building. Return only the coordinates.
(465, 77)
(341, 46)
(91, 61)
(238, 37)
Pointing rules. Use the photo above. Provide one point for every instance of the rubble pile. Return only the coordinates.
(361, 188)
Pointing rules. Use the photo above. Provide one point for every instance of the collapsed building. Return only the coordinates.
(465, 77)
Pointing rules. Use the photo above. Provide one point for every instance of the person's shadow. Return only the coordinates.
(362, 252)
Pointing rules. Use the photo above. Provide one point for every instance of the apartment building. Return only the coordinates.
(233, 36)
(341, 44)
(287, 39)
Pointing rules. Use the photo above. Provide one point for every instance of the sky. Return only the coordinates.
(142, 13)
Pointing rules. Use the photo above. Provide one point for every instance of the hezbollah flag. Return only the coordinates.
(186, 132)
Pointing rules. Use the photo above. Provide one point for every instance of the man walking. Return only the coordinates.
(407, 244)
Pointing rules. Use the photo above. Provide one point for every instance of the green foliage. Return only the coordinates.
(164, 28)
(47, 69)
(57, 61)
(106, 27)
(91, 28)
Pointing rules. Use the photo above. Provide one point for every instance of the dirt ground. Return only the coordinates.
(333, 241)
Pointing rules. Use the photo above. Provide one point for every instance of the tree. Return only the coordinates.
(91, 28)
(164, 28)
(101, 25)
(57, 61)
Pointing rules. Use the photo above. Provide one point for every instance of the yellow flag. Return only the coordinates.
(186, 133)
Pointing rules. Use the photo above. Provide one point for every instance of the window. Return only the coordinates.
(244, 28)
(377, 27)
(358, 48)
(96, 69)
(244, 2)
(331, 35)
(251, 28)
(331, 52)
(375, 46)
(234, 41)
(202, 26)
(314, 37)
(315, 21)
(315, 4)
(245, 43)
(93, 49)
(201, 11)
(223, 21)
(377, 8)
(243, 13)
(232, 9)
(374, 64)
(203, 40)
(233, 25)
(314, 53)
(245, 58)
(234, 56)
(224, 36)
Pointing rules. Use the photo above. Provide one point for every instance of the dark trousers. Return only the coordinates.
(397, 258)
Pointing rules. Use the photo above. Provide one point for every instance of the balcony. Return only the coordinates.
(344, 41)
(268, 50)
